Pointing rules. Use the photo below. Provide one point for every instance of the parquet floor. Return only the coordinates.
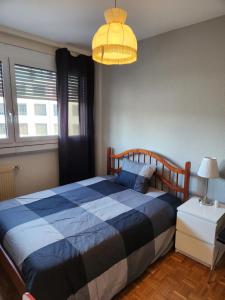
(176, 277)
(173, 277)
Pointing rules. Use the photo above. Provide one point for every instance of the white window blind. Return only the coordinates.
(34, 83)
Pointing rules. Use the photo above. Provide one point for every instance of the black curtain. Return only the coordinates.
(76, 153)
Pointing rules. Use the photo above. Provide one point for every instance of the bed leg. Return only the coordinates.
(28, 296)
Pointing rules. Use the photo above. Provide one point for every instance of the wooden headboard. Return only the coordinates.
(168, 176)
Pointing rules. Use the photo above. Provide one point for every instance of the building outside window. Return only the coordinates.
(23, 129)
(73, 119)
(2, 130)
(41, 129)
(22, 109)
(31, 118)
(2, 109)
(56, 129)
(40, 109)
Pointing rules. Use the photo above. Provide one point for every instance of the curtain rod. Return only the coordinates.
(38, 39)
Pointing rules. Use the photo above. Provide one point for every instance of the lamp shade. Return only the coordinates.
(208, 168)
(114, 43)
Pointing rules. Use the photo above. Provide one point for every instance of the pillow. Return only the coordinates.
(135, 175)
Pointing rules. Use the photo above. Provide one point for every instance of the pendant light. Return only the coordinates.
(115, 42)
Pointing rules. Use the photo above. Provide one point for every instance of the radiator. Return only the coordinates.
(7, 182)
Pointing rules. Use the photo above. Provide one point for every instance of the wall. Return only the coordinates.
(37, 171)
(172, 100)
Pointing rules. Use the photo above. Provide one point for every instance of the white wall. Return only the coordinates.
(37, 171)
(172, 100)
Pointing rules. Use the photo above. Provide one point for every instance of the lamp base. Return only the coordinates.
(206, 201)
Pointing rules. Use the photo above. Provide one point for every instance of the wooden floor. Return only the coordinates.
(174, 277)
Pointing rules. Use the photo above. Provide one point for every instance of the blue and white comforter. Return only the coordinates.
(85, 240)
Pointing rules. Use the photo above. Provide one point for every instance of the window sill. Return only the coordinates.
(27, 148)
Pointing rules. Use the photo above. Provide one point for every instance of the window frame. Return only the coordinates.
(34, 64)
(9, 140)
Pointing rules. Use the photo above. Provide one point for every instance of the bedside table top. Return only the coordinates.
(208, 213)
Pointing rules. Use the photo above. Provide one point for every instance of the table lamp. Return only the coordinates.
(208, 169)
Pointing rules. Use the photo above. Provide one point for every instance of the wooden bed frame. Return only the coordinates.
(168, 181)
(167, 177)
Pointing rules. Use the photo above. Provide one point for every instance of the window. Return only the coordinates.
(28, 102)
(22, 109)
(36, 89)
(40, 109)
(23, 129)
(73, 108)
(41, 129)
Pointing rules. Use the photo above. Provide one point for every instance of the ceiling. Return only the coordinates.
(75, 21)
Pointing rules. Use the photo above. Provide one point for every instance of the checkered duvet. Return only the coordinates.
(85, 240)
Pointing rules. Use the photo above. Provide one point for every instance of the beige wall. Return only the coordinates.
(37, 171)
(172, 100)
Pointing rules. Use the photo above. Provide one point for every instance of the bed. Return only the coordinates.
(90, 239)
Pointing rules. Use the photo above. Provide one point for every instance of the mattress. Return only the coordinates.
(86, 240)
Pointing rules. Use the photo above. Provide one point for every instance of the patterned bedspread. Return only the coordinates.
(85, 240)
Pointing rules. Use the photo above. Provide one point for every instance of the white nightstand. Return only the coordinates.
(197, 228)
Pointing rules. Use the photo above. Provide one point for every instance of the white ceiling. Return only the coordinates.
(75, 21)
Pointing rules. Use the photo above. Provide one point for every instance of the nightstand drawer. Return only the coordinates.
(194, 248)
(196, 227)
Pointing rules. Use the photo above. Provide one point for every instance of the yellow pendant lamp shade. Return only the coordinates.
(114, 43)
